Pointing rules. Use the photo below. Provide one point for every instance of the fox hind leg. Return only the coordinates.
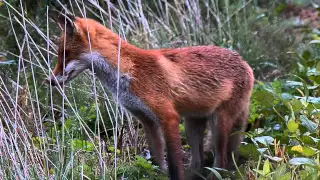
(228, 121)
(235, 139)
(221, 129)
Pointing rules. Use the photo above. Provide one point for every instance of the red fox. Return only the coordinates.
(159, 86)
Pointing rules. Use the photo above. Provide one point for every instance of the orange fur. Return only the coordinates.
(185, 82)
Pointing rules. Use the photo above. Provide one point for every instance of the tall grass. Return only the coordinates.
(45, 132)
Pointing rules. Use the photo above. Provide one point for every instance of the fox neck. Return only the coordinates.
(109, 76)
(116, 52)
(113, 60)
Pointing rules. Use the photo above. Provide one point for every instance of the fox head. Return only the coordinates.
(73, 42)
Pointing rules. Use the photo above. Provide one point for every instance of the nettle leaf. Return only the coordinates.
(266, 140)
(293, 84)
(274, 158)
(304, 174)
(302, 161)
(286, 96)
(296, 105)
(264, 97)
(313, 87)
(308, 151)
(309, 139)
(292, 125)
(314, 100)
(262, 150)
(280, 170)
(315, 78)
(249, 151)
(281, 173)
(286, 176)
(266, 167)
(313, 72)
(311, 126)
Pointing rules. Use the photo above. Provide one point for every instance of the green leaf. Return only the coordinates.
(318, 66)
(308, 139)
(314, 42)
(292, 126)
(264, 97)
(313, 87)
(274, 158)
(264, 140)
(311, 126)
(286, 96)
(280, 171)
(249, 151)
(287, 176)
(293, 84)
(308, 151)
(313, 100)
(296, 106)
(302, 161)
(215, 172)
(313, 72)
(266, 167)
(303, 174)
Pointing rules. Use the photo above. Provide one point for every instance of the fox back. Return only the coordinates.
(200, 83)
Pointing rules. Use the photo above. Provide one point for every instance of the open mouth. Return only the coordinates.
(70, 73)
(69, 77)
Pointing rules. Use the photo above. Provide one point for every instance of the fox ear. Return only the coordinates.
(65, 21)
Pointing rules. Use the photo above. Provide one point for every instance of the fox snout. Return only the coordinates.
(72, 69)
(54, 80)
(50, 82)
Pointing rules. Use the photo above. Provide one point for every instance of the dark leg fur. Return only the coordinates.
(235, 140)
(155, 142)
(174, 153)
(226, 124)
(220, 133)
(195, 133)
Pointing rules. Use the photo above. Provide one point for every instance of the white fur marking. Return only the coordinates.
(108, 75)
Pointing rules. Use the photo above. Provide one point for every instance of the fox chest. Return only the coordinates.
(119, 85)
(120, 89)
